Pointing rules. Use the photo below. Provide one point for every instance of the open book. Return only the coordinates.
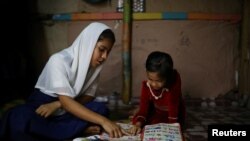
(105, 137)
(162, 132)
(154, 132)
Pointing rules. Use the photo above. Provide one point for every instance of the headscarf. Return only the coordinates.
(66, 71)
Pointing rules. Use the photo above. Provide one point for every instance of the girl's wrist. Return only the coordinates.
(138, 124)
(102, 121)
(58, 104)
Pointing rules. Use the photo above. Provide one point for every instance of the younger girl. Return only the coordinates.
(161, 97)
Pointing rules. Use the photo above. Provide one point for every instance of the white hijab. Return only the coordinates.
(66, 71)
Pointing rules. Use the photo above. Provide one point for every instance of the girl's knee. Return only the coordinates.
(102, 109)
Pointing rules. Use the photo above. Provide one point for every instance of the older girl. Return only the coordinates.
(62, 105)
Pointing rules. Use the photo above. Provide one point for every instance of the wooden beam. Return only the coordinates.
(147, 16)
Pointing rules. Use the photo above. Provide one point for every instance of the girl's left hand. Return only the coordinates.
(48, 109)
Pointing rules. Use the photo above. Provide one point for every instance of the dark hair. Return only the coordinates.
(109, 34)
(161, 63)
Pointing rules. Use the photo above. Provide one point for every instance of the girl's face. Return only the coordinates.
(101, 52)
(155, 81)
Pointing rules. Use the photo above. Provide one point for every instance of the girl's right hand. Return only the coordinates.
(134, 130)
(114, 130)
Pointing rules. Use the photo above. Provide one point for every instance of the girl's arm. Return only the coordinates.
(75, 108)
(174, 100)
(48, 109)
(139, 118)
(141, 115)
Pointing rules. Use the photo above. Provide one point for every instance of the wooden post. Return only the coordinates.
(244, 72)
(126, 52)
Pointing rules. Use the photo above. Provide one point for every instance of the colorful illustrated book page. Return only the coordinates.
(105, 137)
(162, 132)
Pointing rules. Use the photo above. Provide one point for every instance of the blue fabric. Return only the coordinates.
(22, 123)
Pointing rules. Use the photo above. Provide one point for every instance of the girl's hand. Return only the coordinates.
(134, 130)
(114, 130)
(46, 110)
